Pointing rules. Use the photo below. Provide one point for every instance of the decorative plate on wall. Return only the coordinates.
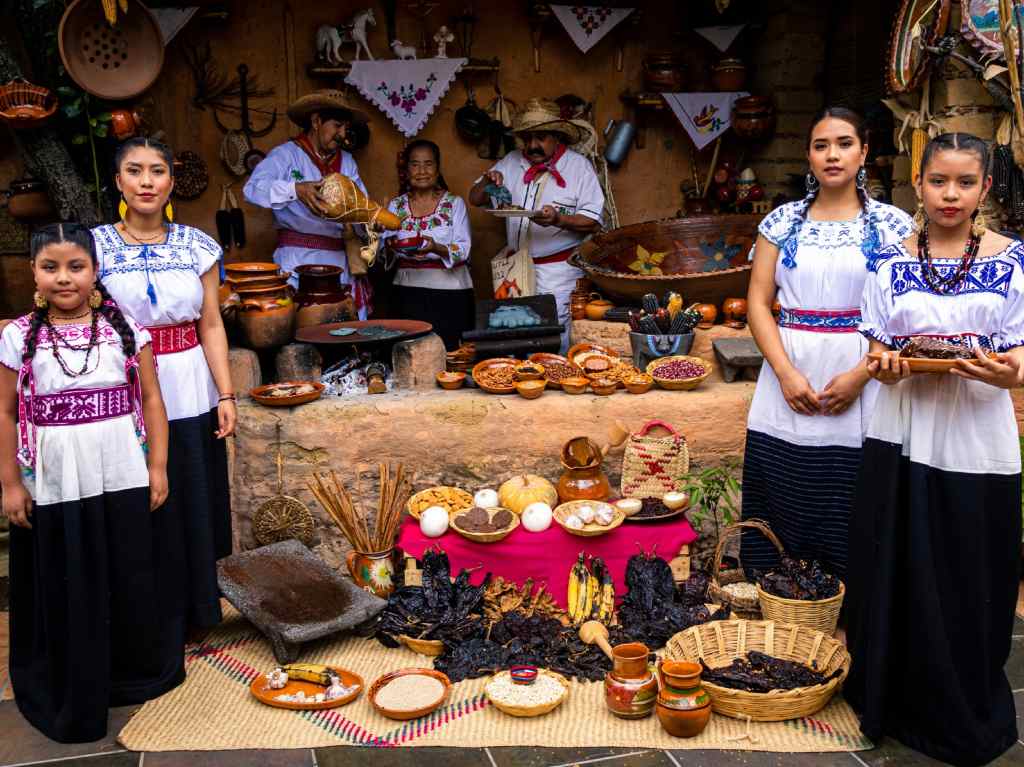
(918, 21)
(980, 27)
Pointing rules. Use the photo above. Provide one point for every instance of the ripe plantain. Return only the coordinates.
(588, 590)
(597, 570)
(606, 611)
(316, 673)
(575, 583)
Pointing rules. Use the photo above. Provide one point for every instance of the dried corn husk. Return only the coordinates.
(918, 140)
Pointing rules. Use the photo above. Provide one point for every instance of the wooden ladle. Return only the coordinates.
(595, 632)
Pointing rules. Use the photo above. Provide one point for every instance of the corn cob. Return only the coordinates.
(110, 11)
(918, 139)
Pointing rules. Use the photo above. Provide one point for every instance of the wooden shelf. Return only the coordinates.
(473, 66)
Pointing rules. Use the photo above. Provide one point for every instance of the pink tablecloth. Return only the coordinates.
(547, 557)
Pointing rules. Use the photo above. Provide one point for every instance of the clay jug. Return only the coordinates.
(266, 316)
(630, 688)
(683, 705)
(597, 307)
(584, 478)
(735, 312)
(708, 312)
(373, 571)
(321, 297)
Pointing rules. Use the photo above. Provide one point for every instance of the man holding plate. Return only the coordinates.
(563, 202)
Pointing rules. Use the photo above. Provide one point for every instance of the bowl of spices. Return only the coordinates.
(409, 693)
(556, 368)
(543, 696)
(680, 372)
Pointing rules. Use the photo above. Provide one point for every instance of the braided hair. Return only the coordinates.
(403, 163)
(963, 142)
(871, 241)
(76, 234)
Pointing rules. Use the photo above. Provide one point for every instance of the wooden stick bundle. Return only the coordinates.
(336, 501)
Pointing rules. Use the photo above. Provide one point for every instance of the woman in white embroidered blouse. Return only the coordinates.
(433, 282)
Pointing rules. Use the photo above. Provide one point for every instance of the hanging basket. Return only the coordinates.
(746, 607)
(24, 105)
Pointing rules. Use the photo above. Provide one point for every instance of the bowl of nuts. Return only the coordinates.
(681, 372)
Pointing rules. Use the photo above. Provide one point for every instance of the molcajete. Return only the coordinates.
(684, 707)
(630, 688)
(321, 297)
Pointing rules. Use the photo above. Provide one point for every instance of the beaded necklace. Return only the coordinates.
(932, 277)
(58, 340)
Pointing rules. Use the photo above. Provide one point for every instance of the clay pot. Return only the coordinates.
(729, 75)
(124, 123)
(27, 200)
(321, 297)
(708, 312)
(266, 317)
(683, 705)
(373, 571)
(578, 306)
(663, 73)
(753, 118)
(597, 307)
(244, 269)
(584, 478)
(735, 312)
(630, 688)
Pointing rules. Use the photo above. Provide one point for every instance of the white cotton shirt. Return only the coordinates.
(174, 269)
(448, 225)
(829, 273)
(82, 460)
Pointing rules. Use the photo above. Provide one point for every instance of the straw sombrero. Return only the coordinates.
(544, 115)
(303, 107)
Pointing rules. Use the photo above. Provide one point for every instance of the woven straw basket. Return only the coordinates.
(821, 614)
(654, 465)
(744, 607)
(525, 710)
(718, 643)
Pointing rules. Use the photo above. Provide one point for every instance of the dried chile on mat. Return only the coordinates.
(654, 609)
(799, 579)
(758, 672)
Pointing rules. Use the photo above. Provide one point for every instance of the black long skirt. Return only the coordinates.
(935, 559)
(451, 312)
(89, 628)
(805, 494)
(193, 528)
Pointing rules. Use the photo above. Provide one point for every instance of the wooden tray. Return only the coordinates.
(262, 692)
(660, 517)
(321, 334)
(416, 713)
(548, 358)
(593, 529)
(496, 362)
(260, 394)
(493, 537)
(920, 364)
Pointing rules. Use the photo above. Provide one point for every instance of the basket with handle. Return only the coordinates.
(747, 607)
(24, 105)
(653, 466)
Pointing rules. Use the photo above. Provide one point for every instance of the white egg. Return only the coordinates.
(434, 521)
(586, 513)
(537, 517)
(486, 498)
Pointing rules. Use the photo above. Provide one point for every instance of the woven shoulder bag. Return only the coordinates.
(653, 466)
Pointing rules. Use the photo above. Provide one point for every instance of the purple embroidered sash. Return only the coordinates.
(820, 320)
(69, 408)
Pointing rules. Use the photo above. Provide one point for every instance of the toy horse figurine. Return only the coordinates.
(330, 39)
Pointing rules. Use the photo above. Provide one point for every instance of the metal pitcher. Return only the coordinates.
(618, 136)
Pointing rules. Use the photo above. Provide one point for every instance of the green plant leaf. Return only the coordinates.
(37, 4)
(92, 122)
(73, 109)
(104, 117)
(79, 138)
(90, 187)
(67, 92)
(100, 131)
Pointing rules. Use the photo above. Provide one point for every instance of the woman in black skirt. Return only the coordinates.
(433, 282)
(936, 526)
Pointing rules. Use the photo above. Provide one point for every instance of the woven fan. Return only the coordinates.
(282, 517)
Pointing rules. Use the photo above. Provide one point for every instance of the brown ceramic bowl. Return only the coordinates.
(574, 385)
(414, 714)
(448, 380)
(604, 386)
(639, 384)
(529, 372)
(595, 365)
(531, 389)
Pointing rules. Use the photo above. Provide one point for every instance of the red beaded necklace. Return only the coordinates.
(932, 276)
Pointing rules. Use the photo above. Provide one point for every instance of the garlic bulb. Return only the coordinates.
(573, 522)
(434, 521)
(586, 514)
(486, 498)
(605, 515)
(537, 517)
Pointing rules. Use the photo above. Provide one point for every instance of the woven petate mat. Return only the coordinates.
(213, 710)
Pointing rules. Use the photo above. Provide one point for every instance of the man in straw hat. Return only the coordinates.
(547, 176)
(288, 182)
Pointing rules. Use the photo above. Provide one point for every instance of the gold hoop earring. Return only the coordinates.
(979, 225)
(919, 217)
(40, 300)
(122, 208)
(169, 212)
(95, 299)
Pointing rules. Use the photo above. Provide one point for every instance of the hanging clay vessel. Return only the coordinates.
(630, 688)
(683, 705)
(663, 73)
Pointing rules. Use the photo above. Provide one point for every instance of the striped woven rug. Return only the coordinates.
(213, 710)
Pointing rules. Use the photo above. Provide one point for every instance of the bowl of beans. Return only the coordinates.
(681, 372)
(556, 368)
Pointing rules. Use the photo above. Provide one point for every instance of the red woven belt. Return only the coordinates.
(288, 238)
(170, 339)
(410, 263)
(554, 258)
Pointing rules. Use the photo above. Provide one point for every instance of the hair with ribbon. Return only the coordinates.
(403, 163)
(871, 241)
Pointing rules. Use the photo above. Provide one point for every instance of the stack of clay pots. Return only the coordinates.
(258, 302)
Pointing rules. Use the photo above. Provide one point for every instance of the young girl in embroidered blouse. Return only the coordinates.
(936, 526)
(813, 396)
(79, 405)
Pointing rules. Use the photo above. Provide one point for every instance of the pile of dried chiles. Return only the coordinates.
(758, 672)
(799, 579)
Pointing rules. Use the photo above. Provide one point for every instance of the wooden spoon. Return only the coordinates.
(595, 632)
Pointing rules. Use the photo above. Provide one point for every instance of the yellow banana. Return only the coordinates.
(596, 576)
(607, 612)
(588, 590)
(574, 588)
(316, 673)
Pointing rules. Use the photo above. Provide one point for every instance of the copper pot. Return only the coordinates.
(663, 73)
(753, 118)
(729, 75)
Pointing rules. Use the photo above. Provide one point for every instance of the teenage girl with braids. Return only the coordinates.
(79, 405)
(936, 527)
(813, 397)
(166, 276)
(433, 284)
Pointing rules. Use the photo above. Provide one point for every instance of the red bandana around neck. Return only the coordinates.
(332, 165)
(549, 166)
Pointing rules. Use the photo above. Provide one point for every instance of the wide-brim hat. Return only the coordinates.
(544, 115)
(300, 110)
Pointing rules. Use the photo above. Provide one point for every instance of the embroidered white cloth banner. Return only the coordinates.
(406, 91)
(720, 37)
(705, 116)
(588, 24)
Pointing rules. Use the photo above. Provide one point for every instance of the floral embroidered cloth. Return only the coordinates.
(588, 24)
(406, 91)
(705, 116)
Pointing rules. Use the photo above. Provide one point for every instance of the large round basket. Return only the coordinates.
(744, 607)
(820, 614)
(718, 643)
(684, 384)
(591, 529)
(527, 711)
